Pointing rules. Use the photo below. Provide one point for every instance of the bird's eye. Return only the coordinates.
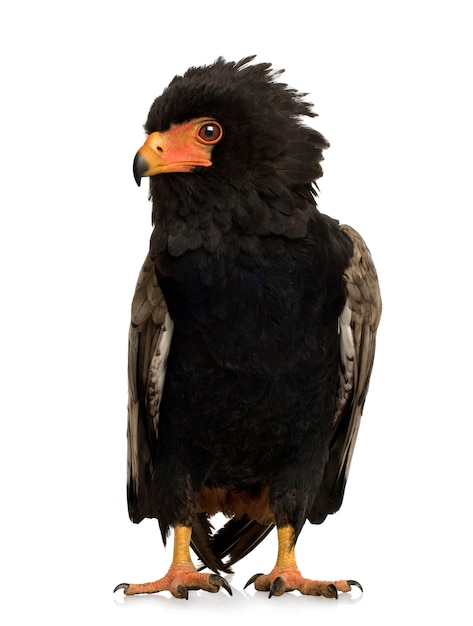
(210, 132)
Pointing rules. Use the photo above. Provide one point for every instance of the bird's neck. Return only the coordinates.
(223, 219)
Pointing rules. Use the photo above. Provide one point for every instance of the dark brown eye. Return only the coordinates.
(210, 132)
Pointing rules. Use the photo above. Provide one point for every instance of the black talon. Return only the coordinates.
(252, 580)
(277, 587)
(183, 592)
(215, 579)
(334, 591)
(355, 583)
(121, 586)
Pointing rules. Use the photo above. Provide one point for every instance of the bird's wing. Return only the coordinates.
(358, 324)
(148, 348)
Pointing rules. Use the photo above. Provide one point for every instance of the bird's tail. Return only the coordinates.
(238, 537)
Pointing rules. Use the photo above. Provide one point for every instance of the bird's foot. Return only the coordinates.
(283, 579)
(179, 580)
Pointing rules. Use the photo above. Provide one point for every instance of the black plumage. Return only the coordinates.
(253, 323)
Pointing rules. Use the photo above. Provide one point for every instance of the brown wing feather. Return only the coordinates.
(148, 348)
(358, 324)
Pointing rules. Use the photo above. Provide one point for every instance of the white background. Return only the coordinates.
(391, 82)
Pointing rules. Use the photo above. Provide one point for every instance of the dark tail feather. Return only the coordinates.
(238, 537)
(202, 544)
(235, 539)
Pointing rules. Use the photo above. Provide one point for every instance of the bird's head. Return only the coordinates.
(231, 122)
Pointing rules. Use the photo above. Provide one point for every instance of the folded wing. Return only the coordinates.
(358, 324)
(148, 348)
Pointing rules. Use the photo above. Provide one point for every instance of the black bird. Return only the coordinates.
(253, 330)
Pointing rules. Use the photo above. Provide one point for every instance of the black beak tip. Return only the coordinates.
(139, 168)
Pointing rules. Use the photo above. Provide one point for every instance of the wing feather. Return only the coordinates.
(149, 342)
(358, 324)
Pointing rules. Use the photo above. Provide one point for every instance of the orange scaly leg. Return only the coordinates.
(286, 576)
(182, 575)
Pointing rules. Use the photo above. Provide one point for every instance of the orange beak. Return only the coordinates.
(179, 149)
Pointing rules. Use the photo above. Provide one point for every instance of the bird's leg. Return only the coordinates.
(182, 575)
(285, 576)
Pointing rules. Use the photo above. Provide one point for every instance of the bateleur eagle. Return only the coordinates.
(252, 335)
